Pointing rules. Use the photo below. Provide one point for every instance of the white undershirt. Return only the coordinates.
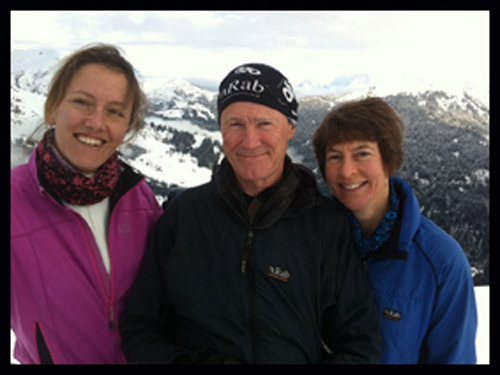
(96, 216)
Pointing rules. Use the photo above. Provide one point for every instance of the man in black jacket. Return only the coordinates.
(254, 267)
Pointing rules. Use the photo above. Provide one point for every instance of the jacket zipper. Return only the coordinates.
(107, 294)
(246, 252)
(248, 270)
(112, 323)
(111, 316)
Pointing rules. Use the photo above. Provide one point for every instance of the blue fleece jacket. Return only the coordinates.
(422, 283)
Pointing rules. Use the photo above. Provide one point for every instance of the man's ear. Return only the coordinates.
(292, 130)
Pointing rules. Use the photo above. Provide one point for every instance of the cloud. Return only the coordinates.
(314, 45)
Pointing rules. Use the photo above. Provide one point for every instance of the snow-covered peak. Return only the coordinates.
(177, 98)
(180, 87)
(359, 85)
(32, 70)
(34, 59)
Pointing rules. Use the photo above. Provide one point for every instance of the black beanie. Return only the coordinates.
(261, 84)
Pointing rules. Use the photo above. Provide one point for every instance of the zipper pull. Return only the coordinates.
(111, 317)
(246, 252)
(244, 263)
(248, 244)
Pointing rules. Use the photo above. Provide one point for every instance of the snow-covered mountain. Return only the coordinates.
(446, 141)
(179, 99)
(31, 70)
(358, 84)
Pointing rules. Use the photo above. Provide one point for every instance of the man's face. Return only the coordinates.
(255, 140)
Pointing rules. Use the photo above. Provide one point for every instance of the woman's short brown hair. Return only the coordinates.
(109, 56)
(369, 119)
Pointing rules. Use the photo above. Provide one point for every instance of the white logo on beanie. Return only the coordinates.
(247, 69)
(287, 91)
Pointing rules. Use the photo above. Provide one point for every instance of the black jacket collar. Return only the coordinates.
(295, 191)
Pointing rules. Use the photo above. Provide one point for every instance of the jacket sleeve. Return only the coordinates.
(451, 337)
(350, 323)
(146, 322)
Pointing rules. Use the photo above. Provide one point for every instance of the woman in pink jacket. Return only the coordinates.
(80, 217)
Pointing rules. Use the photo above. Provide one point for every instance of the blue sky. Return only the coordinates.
(445, 48)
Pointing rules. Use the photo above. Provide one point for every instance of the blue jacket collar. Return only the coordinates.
(410, 214)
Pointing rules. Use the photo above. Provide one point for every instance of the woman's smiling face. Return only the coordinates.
(355, 173)
(92, 118)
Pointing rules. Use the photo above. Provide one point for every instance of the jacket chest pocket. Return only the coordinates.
(403, 322)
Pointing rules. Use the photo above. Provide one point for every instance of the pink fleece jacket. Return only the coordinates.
(64, 306)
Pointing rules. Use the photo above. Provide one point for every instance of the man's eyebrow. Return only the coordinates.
(234, 118)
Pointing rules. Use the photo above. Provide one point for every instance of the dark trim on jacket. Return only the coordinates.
(43, 350)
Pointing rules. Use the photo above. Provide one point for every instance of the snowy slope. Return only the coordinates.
(178, 98)
(32, 70)
(162, 162)
(26, 110)
(483, 329)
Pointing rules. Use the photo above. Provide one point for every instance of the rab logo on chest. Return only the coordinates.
(391, 314)
(278, 274)
(124, 228)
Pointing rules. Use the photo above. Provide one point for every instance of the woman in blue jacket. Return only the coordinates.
(419, 274)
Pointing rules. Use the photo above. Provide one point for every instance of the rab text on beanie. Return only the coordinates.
(261, 84)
